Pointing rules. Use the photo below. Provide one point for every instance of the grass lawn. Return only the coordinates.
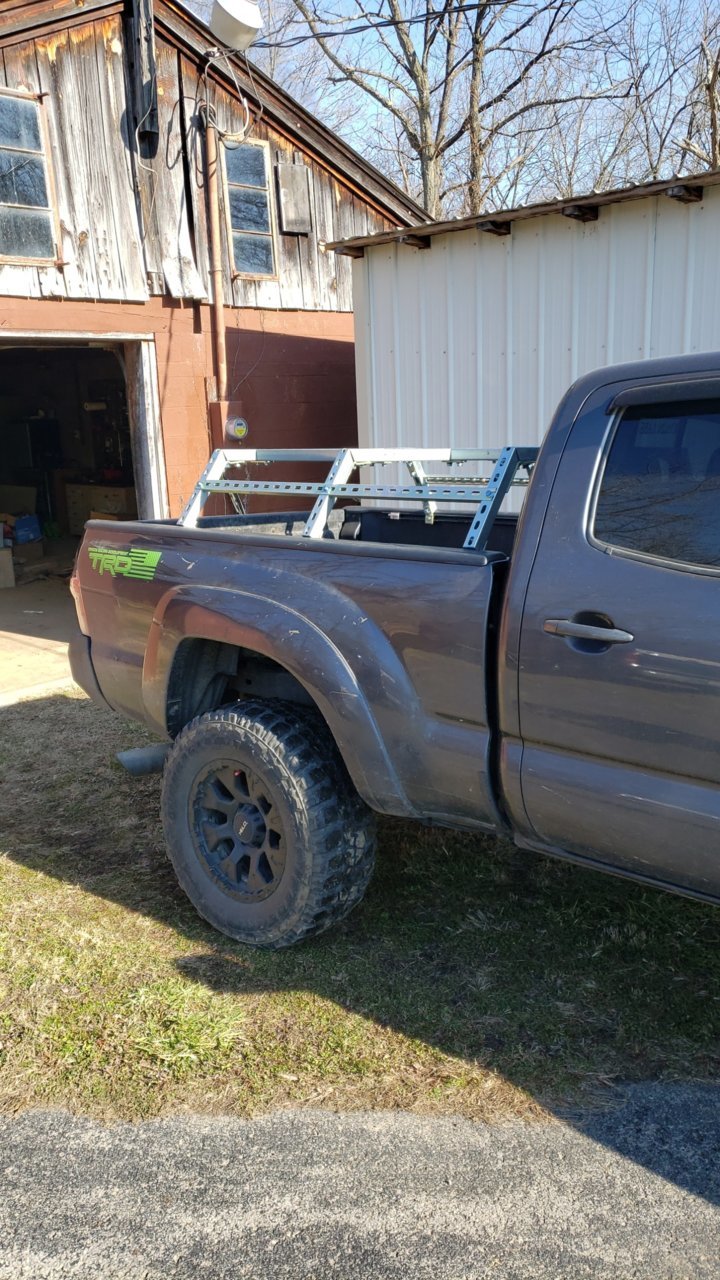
(472, 980)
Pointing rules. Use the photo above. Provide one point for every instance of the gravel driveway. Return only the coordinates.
(630, 1191)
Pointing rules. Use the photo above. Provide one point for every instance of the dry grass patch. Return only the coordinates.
(472, 980)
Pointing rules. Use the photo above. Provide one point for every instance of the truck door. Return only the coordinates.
(619, 674)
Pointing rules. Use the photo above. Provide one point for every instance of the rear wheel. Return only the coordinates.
(266, 833)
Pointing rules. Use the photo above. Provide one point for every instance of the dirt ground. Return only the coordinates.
(36, 622)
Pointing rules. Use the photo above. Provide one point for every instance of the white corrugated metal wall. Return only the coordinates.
(474, 341)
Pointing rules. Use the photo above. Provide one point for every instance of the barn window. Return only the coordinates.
(27, 223)
(250, 209)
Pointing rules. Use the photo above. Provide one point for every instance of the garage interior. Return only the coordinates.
(65, 445)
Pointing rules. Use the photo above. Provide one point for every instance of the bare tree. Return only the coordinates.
(701, 142)
(667, 53)
(471, 105)
(660, 43)
(454, 77)
(300, 69)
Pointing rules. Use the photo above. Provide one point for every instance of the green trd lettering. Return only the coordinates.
(135, 563)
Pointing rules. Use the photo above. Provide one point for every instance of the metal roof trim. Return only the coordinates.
(495, 223)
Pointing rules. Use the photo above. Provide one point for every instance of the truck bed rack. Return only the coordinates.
(484, 492)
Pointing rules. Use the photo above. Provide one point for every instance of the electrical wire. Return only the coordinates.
(227, 138)
(439, 14)
(235, 383)
(248, 68)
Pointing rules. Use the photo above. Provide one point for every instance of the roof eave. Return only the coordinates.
(687, 189)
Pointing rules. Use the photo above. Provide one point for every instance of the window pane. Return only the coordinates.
(246, 165)
(24, 234)
(254, 255)
(19, 124)
(660, 492)
(22, 179)
(249, 210)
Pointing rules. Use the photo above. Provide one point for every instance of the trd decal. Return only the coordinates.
(125, 564)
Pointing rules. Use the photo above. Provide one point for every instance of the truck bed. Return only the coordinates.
(374, 524)
(384, 624)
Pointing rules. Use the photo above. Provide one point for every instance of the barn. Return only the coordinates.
(164, 216)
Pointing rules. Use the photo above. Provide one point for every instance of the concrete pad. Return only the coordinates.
(36, 623)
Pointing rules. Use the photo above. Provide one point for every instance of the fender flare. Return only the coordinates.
(268, 627)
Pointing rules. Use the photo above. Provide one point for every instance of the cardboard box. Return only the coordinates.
(28, 552)
(7, 571)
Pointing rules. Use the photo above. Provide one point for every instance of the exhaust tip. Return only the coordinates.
(142, 760)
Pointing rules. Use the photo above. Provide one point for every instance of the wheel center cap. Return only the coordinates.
(248, 825)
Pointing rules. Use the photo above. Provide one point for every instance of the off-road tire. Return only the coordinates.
(327, 832)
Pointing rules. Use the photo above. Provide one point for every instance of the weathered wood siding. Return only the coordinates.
(133, 220)
(81, 71)
(170, 251)
(308, 278)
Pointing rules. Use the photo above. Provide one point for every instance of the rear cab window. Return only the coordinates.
(659, 491)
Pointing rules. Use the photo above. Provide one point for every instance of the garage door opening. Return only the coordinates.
(79, 439)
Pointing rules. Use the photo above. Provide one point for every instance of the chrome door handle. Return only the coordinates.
(584, 631)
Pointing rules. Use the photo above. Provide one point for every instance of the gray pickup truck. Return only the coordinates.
(554, 678)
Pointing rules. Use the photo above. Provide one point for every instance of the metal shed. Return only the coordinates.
(469, 332)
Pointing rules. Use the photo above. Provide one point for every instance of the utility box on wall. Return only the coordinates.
(228, 429)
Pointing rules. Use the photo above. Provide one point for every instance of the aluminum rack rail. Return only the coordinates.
(485, 492)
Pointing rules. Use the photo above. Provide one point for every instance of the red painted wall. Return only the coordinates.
(293, 372)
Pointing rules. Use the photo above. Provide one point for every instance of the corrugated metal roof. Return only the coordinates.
(686, 189)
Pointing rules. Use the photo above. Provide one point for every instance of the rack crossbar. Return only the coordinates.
(398, 492)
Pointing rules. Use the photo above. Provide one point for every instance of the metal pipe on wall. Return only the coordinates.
(216, 274)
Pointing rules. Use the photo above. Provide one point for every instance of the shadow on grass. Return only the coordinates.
(560, 980)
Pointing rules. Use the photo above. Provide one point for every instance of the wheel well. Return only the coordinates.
(206, 674)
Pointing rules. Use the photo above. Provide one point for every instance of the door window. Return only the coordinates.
(660, 490)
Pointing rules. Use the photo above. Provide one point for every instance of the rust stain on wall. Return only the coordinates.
(50, 44)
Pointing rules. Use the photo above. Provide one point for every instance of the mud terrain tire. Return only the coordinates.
(266, 833)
